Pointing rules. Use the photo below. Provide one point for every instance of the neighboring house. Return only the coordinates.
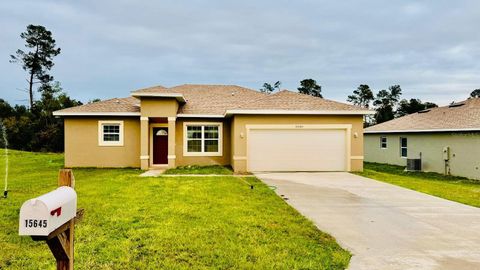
(162, 127)
(446, 139)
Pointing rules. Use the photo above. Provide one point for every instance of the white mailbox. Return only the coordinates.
(42, 215)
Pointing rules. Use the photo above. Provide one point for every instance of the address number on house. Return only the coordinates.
(35, 223)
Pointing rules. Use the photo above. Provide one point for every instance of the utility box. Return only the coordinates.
(42, 215)
(446, 153)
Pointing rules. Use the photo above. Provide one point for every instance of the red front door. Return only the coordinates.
(160, 146)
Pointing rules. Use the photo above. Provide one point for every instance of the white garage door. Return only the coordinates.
(297, 150)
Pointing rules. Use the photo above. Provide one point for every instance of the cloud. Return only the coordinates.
(112, 47)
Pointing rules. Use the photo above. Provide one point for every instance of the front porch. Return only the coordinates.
(157, 142)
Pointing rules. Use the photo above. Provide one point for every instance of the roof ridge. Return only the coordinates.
(352, 105)
(215, 85)
(448, 106)
(206, 84)
(145, 88)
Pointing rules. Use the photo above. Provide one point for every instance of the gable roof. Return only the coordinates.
(460, 116)
(153, 89)
(219, 101)
(158, 91)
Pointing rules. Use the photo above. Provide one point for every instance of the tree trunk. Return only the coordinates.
(30, 83)
(30, 89)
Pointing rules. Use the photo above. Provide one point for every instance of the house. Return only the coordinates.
(161, 127)
(446, 139)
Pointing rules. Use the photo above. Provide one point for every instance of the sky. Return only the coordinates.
(109, 48)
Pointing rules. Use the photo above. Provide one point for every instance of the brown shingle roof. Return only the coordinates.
(457, 117)
(217, 99)
(287, 100)
(114, 105)
(214, 99)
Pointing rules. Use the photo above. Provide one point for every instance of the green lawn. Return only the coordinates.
(165, 223)
(214, 169)
(453, 188)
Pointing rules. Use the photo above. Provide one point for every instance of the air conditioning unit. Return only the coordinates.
(414, 164)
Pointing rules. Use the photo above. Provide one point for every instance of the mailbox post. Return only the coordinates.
(51, 218)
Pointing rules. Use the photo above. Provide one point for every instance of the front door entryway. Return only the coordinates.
(160, 145)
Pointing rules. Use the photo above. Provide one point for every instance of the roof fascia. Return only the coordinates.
(178, 96)
(187, 115)
(421, 130)
(299, 112)
(59, 113)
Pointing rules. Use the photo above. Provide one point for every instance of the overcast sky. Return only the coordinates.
(109, 48)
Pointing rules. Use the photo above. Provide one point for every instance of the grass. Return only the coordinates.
(452, 188)
(165, 223)
(194, 169)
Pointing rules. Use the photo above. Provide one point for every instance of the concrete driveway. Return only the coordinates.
(385, 226)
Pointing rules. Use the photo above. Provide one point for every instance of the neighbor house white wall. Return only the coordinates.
(464, 151)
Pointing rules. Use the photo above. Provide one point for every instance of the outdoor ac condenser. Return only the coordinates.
(414, 164)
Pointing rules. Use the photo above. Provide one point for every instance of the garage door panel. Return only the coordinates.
(296, 150)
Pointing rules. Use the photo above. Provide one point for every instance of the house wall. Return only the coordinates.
(239, 134)
(158, 107)
(82, 149)
(182, 160)
(464, 151)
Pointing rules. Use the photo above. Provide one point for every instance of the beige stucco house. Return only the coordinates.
(162, 127)
(446, 139)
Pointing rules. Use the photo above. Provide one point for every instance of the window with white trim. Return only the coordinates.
(403, 147)
(383, 142)
(203, 139)
(110, 133)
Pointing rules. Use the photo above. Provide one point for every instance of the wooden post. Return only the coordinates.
(65, 240)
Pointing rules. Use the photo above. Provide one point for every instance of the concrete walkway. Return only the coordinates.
(152, 173)
(385, 226)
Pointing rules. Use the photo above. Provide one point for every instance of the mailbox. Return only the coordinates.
(42, 215)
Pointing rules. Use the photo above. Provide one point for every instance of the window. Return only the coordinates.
(110, 133)
(203, 139)
(383, 142)
(403, 147)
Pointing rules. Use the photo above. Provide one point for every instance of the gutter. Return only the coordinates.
(421, 130)
(60, 113)
(298, 112)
